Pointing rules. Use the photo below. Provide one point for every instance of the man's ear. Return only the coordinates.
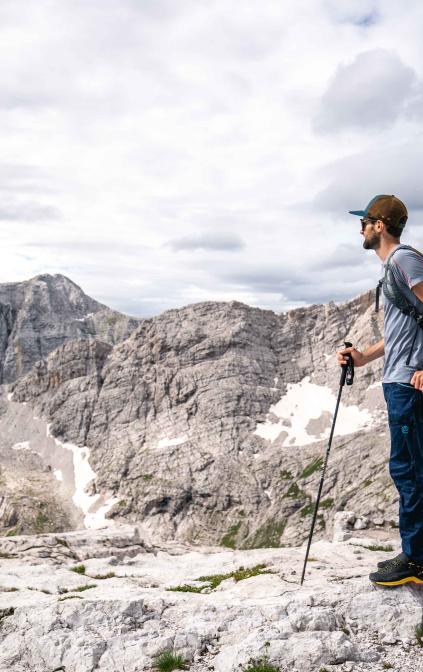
(381, 225)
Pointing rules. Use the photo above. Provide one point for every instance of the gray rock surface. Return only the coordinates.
(208, 424)
(40, 314)
(184, 428)
(117, 611)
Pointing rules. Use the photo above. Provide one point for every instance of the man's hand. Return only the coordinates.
(417, 380)
(358, 358)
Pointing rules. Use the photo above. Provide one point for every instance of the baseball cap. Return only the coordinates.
(388, 208)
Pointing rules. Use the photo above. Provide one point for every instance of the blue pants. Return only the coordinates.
(405, 413)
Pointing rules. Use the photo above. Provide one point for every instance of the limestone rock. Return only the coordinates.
(118, 613)
(38, 315)
(209, 423)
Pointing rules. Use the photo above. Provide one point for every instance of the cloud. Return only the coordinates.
(353, 180)
(208, 241)
(362, 13)
(178, 144)
(29, 212)
(369, 93)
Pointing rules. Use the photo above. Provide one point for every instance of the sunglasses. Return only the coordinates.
(367, 220)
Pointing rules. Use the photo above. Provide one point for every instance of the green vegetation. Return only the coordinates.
(260, 665)
(213, 580)
(168, 661)
(323, 669)
(387, 666)
(286, 475)
(376, 547)
(326, 503)
(267, 536)
(62, 542)
(110, 575)
(147, 477)
(294, 491)
(79, 569)
(87, 586)
(185, 588)
(8, 590)
(307, 510)
(367, 483)
(40, 522)
(230, 537)
(419, 634)
(238, 575)
(70, 597)
(315, 465)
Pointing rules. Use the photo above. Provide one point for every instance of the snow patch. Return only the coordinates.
(164, 443)
(58, 474)
(93, 521)
(83, 474)
(304, 401)
(81, 319)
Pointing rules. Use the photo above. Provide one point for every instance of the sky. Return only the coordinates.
(160, 152)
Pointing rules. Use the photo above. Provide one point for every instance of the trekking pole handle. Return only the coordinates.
(347, 375)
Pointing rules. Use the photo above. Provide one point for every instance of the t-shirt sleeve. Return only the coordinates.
(409, 264)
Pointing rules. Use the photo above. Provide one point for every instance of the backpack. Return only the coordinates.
(395, 296)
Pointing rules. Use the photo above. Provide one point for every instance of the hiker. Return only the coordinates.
(382, 223)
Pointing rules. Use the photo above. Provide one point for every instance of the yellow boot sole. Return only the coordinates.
(408, 579)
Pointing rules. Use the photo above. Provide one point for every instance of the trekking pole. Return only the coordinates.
(347, 375)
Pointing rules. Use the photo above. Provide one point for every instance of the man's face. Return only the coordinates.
(371, 237)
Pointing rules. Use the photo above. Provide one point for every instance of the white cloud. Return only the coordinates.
(369, 93)
(141, 142)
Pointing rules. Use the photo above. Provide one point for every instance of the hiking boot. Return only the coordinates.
(398, 572)
(399, 557)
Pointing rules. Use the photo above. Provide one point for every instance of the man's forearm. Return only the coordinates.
(375, 351)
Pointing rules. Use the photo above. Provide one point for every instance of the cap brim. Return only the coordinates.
(360, 213)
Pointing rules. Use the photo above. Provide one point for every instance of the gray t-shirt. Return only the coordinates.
(407, 267)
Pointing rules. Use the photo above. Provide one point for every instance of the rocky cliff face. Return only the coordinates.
(39, 315)
(209, 423)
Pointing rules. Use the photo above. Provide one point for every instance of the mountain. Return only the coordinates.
(206, 424)
(40, 314)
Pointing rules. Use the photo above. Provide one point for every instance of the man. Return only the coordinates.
(382, 223)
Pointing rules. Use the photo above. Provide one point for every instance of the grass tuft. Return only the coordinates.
(5, 556)
(260, 665)
(213, 580)
(70, 597)
(185, 588)
(87, 586)
(110, 575)
(315, 465)
(376, 547)
(79, 569)
(168, 661)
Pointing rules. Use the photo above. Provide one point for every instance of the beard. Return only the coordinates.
(372, 242)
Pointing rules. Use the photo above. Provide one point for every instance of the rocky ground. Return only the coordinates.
(131, 599)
